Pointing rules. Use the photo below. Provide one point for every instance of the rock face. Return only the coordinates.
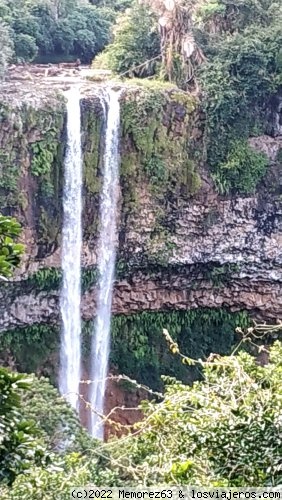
(181, 245)
(221, 253)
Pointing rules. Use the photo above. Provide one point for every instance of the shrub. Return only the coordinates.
(242, 170)
(136, 41)
(57, 422)
(225, 430)
(239, 78)
(25, 47)
(20, 447)
(10, 251)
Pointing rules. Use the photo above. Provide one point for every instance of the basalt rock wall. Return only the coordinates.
(182, 246)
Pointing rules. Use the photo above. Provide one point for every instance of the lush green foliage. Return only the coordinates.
(222, 431)
(241, 171)
(10, 251)
(57, 423)
(25, 47)
(52, 28)
(241, 74)
(19, 444)
(136, 41)
(139, 349)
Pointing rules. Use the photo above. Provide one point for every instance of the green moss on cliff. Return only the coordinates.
(50, 279)
(92, 153)
(46, 166)
(92, 124)
(34, 349)
(139, 349)
(11, 144)
(156, 128)
(31, 161)
(138, 346)
(242, 170)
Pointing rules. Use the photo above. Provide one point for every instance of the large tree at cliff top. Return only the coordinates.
(179, 50)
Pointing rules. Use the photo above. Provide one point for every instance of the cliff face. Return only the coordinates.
(181, 245)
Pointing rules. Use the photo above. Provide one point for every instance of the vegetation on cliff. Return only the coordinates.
(10, 250)
(230, 55)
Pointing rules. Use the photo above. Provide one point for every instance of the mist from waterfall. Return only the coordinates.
(69, 377)
(106, 261)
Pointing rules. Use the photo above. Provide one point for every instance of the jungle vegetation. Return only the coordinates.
(227, 53)
(223, 431)
(55, 29)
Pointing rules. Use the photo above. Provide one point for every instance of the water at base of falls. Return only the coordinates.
(106, 262)
(69, 377)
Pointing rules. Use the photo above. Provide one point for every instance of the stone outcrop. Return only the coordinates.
(221, 253)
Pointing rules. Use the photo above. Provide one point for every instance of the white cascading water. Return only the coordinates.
(106, 262)
(71, 254)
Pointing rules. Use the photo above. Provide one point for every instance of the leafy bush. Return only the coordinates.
(242, 170)
(57, 423)
(55, 484)
(25, 47)
(10, 251)
(238, 79)
(223, 431)
(20, 447)
(136, 41)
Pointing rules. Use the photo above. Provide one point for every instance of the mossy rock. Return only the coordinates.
(156, 130)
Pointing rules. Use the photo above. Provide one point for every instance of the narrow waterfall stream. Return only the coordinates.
(69, 377)
(106, 261)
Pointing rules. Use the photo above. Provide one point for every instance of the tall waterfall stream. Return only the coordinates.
(70, 355)
(106, 261)
(69, 377)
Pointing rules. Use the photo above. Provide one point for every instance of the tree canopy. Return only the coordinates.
(54, 29)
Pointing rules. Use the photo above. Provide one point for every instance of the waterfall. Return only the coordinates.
(106, 261)
(71, 254)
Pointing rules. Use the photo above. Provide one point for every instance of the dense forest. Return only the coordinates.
(224, 430)
(53, 30)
